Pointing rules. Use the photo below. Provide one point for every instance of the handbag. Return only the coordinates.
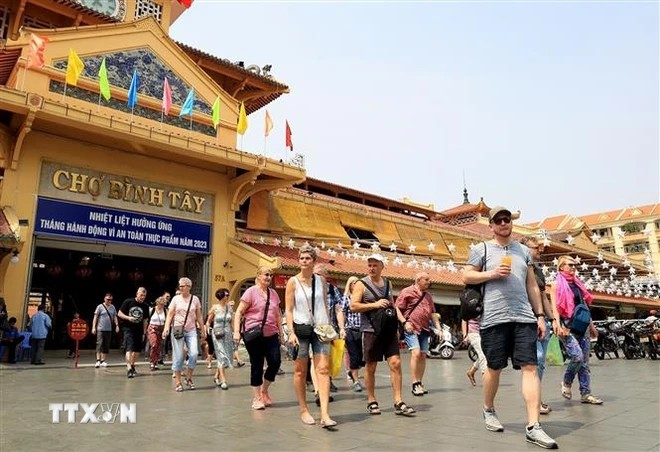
(302, 330)
(383, 320)
(257, 332)
(325, 332)
(219, 331)
(177, 331)
(472, 296)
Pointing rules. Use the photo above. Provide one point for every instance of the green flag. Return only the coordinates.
(104, 86)
(216, 113)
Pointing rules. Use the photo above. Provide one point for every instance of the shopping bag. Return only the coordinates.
(554, 356)
(336, 357)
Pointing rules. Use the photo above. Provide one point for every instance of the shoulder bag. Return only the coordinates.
(383, 320)
(402, 330)
(219, 331)
(581, 317)
(177, 331)
(472, 296)
(257, 332)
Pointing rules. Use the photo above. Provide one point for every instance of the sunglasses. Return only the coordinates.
(570, 265)
(267, 275)
(501, 220)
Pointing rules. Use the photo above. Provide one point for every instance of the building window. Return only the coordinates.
(603, 232)
(4, 21)
(33, 22)
(633, 248)
(633, 228)
(360, 234)
(145, 8)
(609, 249)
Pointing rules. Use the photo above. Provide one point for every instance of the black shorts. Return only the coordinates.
(354, 348)
(374, 348)
(133, 340)
(509, 340)
(103, 341)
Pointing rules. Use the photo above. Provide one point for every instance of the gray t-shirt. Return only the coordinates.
(105, 322)
(368, 297)
(505, 299)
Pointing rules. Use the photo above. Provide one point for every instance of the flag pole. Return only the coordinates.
(191, 115)
(265, 142)
(64, 93)
(242, 142)
(162, 116)
(98, 107)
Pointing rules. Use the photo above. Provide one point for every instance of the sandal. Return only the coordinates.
(591, 399)
(402, 409)
(179, 387)
(329, 424)
(307, 419)
(190, 384)
(373, 408)
(417, 389)
(566, 391)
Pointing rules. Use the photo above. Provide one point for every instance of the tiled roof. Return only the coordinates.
(8, 59)
(567, 221)
(84, 9)
(463, 208)
(340, 265)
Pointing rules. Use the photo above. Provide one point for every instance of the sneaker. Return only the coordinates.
(258, 404)
(333, 388)
(98, 364)
(417, 389)
(536, 435)
(357, 387)
(280, 371)
(545, 408)
(161, 362)
(223, 385)
(129, 373)
(134, 371)
(591, 399)
(492, 422)
(104, 364)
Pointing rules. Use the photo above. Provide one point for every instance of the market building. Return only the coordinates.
(98, 197)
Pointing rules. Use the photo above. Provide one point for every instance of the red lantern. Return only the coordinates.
(55, 270)
(136, 275)
(112, 274)
(84, 272)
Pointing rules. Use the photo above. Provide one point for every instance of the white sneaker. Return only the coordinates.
(104, 364)
(98, 364)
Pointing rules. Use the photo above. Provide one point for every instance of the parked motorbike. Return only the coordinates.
(632, 346)
(441, 348)
(649, 336)
(608, 339)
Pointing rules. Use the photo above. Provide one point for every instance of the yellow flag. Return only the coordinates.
(74, 68)
(242, 120)
(269, 124)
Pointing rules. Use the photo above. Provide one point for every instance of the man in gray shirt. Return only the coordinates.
(512, 319)
(104, 316)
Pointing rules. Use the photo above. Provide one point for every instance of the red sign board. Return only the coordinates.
(78, 329)
(279, 281)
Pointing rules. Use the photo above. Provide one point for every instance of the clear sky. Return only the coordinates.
(548, 107)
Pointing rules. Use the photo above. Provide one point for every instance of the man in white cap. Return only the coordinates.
(512, 320)
(379, 324)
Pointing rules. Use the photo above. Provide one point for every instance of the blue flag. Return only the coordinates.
(133, 90)
(187, 108)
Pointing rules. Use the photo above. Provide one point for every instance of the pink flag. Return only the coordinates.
(167, 97)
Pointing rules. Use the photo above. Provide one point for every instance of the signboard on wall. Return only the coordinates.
(89, 186)
(105, 224)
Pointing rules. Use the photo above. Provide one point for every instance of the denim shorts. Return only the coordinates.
(318, 347)
(420, 341)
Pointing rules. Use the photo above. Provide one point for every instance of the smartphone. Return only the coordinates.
(293, 352)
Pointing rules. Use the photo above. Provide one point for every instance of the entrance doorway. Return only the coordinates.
(73, 277)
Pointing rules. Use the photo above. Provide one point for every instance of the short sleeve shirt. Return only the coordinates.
(180, 307)
(505, 299)
(105, 321)
(139, 311)
(420, 316)
(254, 314)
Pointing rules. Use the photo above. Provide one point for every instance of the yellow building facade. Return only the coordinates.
(103, 198)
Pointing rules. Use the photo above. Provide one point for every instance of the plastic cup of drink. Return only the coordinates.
(506, 260)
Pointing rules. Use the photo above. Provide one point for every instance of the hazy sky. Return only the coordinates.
(549, 107)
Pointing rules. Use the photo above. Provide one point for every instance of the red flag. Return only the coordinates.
(35, 57)
(289, 143)
(186, 3)
(167, 97)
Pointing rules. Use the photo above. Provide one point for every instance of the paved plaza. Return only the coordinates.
(449, 417)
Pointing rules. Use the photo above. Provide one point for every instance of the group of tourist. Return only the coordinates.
(517, 321)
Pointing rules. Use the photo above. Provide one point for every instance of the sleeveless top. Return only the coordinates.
(157, 318)
(223, 317)
(368, 297)
(303, 303)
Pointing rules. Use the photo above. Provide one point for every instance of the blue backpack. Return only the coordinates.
(581, 318)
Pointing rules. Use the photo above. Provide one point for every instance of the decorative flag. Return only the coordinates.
(133, 90)
(74, 68)
(242, 120)
(216, 113)
(167, 97)
(186, 3)
(35, 57)
(187, 108)
(288, 142)
(269, 124)
(104, 85)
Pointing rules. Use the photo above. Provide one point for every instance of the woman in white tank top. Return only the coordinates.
(306, 306)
